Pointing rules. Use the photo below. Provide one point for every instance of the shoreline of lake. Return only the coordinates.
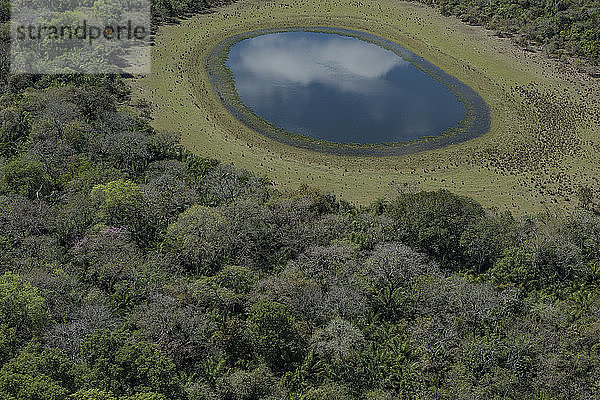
(475, 124)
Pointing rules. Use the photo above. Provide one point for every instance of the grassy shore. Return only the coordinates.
(474, 124)
(542, 145)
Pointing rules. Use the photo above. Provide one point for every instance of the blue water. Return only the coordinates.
(340, 89)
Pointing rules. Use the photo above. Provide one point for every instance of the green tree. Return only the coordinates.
(275, 334)
(118, 363)
(391, 273)
(25, 177)
(485, 239)
(92, 394)
(37, 375)
(337, 343)
(120, 202)
(198, 239)
(329, 391)
(14, 124)
(96, 394)
(145, 396)
(4, 10)
(107, 258)
(247, 385)
(23, 314)
(434, 222)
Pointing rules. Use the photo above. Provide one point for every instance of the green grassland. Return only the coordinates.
(545, 130)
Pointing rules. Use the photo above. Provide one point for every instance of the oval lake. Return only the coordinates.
(340, 89)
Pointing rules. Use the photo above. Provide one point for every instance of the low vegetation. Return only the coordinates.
(540, 149)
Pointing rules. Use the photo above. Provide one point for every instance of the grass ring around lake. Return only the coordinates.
(475, 123)
(542, 143)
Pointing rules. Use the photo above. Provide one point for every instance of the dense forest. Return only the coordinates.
(562, 27)
(132, 269)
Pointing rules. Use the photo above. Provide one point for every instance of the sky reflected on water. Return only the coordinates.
(340, 89)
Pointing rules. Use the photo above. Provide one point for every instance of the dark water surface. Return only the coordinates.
(340, 89)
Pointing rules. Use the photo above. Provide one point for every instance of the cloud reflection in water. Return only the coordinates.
(339, 88)
(338, 61)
